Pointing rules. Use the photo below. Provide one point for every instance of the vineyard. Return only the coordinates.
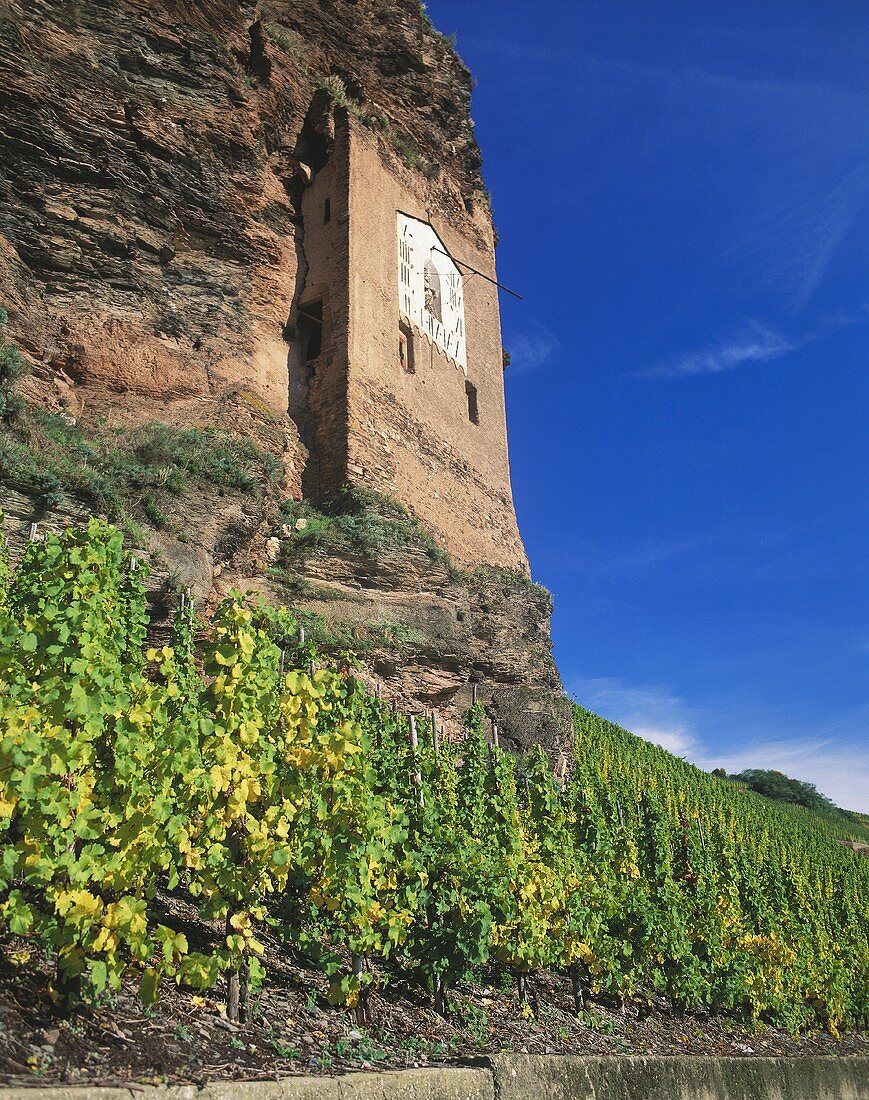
(229, 767)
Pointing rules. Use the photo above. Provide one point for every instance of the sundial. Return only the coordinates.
(430, 292)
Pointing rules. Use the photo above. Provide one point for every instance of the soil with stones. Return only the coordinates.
(186, 1036)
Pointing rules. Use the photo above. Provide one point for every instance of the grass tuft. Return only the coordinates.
(359, 519)
(133, 472)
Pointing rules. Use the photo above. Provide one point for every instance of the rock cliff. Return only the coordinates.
(154, 154)
(150, 179)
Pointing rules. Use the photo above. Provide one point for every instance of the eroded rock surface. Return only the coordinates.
(424, 634)
(150, 176)
(435, 639)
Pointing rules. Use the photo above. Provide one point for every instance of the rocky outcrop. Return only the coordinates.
(436, 639)
(423, 633)
(150, 176)
(855, 846)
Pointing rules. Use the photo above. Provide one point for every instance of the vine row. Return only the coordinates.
(280, 797)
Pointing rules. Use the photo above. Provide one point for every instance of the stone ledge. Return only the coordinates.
(680, 1077)
(531, 1077)
(458, 1083)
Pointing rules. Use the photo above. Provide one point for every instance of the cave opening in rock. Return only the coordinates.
(317, 135)
(311, 330)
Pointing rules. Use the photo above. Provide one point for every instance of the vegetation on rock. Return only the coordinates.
(124, 473)
(11, 369)
(357, 519)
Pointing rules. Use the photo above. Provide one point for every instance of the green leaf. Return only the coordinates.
(99, 974)
(148, 985)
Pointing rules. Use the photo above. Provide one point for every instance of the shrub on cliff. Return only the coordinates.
(11, 369)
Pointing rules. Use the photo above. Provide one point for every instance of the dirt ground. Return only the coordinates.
(186, 1037)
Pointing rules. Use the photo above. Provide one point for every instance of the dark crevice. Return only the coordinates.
(318, 132)
(136, 134)
(258, 61)
(298, 368)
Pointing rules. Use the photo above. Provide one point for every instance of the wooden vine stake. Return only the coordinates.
(577, 987)
(233, 992)
(236, 987)
(360, 1012)
(495, 736)
(416, 773)
(435, 735)
(441, 1003)
(238, 980)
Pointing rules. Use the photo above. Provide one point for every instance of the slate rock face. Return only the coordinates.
(428, 636)
(152, 162)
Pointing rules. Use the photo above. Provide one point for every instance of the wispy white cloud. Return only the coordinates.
(790, 189)
(652, 711)
(820, 228)
(756, 344)
(782, 161)
(791, 251)
(677, 741)
(654, 552)
(843, 317)
(786, 212)
(601, 562)
(840, 771)
(532, 349)
(833, 756)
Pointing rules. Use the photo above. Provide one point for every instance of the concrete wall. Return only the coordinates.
(680, 1078)
(533, 1077)
(409, 433)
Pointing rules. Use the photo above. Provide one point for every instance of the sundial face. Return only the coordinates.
(430, 293)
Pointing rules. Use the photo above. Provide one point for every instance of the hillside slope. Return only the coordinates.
(231, 820)
(777, 787)
(633, 765)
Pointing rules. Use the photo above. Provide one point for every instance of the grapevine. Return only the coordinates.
(290, 805)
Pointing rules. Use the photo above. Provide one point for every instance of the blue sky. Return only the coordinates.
(682, 195)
